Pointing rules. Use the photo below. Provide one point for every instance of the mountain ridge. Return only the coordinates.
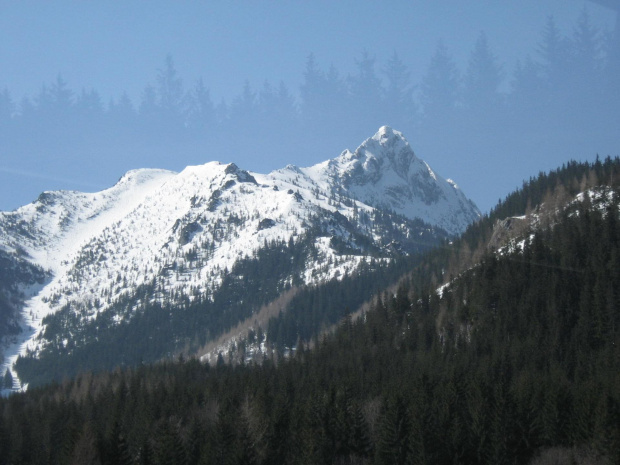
(514, 361)
(181, 234)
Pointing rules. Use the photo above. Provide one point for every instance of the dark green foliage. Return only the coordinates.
(15, 272)
(393, 442)
(315, 308)
(116, 450)
(7, 381)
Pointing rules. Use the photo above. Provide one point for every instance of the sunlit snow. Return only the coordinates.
(183, 231)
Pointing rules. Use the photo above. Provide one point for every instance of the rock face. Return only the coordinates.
(385, 172)
(507, 230)
(175, 238)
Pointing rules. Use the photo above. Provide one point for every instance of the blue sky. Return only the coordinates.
(117, 46)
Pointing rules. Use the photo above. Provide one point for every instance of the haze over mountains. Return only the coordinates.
(159, 237)
(469, 104)
(286, 304)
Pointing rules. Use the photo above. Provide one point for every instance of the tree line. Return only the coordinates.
(153, 329)
(515, 362)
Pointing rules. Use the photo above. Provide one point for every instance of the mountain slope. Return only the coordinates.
(161, 240)
(516, 361)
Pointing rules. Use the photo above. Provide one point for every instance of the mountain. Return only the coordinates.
(384, 172)
(500, 347)
(198, 251)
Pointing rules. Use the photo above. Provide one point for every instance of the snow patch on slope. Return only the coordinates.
(182, 232)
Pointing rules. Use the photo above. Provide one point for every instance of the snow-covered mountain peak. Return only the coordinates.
(137, 177)
(385, 172)
(389, 148)
(388, 137)
(213, 174)
(386, 133)
(159, 237)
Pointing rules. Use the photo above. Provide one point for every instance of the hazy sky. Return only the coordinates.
(116, 46)
(119, 45)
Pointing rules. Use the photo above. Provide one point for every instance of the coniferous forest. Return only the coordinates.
(514, 360)
(501, 346)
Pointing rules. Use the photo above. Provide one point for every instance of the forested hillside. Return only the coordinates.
(140, 329)
(16, 273)
(515, 360)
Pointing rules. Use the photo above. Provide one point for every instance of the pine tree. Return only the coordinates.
(366, 93)
(246, 448)
(440, 86)
(554, 53)
(393, 442)
(482, 80)
(8, 380)
(400, 108)
(312, 91)
(149, 107)
(200, 114)
(358, 441)
(117, 450)
(86, 450)
(169, 90)
(61, 97)
(224, 450)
